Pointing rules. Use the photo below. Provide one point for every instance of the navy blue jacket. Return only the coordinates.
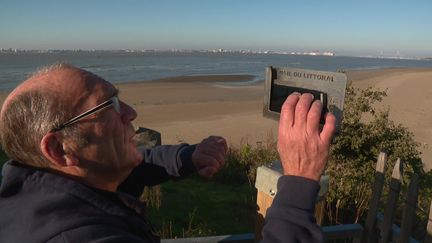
(41, 206)
(291, 215)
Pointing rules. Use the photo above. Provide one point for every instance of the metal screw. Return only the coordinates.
(272, 192)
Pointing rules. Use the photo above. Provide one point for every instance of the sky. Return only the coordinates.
(359, 28)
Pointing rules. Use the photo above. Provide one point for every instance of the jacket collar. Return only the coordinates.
(16, 176)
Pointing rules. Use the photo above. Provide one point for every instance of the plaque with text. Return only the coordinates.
(329, 87)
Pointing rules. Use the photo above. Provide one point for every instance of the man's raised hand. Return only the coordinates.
(302, 147)
(209, 155)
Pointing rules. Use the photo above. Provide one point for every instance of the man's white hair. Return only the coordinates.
(31, 115)
(48, 69)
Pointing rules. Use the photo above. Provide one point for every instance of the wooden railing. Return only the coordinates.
(380, 227)
(238, 238)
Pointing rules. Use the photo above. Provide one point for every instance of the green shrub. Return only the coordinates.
(365, 132)
(241, 163)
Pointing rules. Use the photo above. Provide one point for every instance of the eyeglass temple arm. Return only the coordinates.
(83, 115)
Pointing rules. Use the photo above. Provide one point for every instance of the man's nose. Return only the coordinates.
(128, 113)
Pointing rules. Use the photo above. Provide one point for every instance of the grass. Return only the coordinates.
(226, 204)
(197, 207)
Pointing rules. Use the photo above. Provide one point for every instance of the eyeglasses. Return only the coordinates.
(113, 101)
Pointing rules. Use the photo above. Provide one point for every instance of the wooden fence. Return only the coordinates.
(380, 227)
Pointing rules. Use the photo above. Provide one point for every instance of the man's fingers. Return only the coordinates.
(222, 142)
(207, 172)
(210, 153)
(302, 109)
(313, 117)
(217, 142)
(287, 111)
(329, 128)
(216, 152)
(218, 157)
(206, 160)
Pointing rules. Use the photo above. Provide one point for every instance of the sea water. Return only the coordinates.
(119, 67)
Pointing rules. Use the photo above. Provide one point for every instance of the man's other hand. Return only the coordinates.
(209, 155)
(302, 147)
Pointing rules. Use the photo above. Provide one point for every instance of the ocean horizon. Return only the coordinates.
(122, 67)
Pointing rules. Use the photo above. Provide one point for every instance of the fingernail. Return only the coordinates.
(296, 93)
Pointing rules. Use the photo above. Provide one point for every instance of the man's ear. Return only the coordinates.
(52, 148)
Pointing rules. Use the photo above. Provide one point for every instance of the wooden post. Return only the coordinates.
(320, 211)
(408, 216)
(390, 209)
(266, 184)
(263, 203)
(370, 231)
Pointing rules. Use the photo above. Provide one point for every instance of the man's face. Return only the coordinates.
(110, 150)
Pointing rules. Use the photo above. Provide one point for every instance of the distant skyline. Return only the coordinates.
(355, 28)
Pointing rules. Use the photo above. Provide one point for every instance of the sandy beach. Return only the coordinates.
(188, 109)
(409, 99)
(184, 110)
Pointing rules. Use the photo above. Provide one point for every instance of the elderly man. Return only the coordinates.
(75, 170)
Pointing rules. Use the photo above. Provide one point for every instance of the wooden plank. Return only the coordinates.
(239, 238)
(409, 212)
(370, 233)
(382, 159)
(320, 212)
(395, 230)
(397, 170)
(264, 201)
(390, 209)
(345, 231)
